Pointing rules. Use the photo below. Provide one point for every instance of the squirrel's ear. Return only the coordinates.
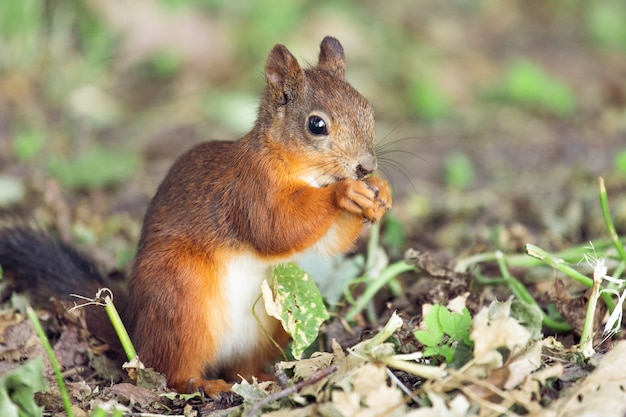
(284, 76)
(332, 57)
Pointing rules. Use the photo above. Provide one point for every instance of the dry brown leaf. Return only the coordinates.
(602, 393)
(494, 328)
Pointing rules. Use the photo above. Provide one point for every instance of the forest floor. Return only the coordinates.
(495, 121)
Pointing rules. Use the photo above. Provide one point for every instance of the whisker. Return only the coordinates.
(387, 144)
(390, 151)
(384, 163)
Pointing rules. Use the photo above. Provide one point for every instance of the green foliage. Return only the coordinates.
(605, 23)
(447, 334)
(28, 144)
(297, 303)
(619, 161)
(394, 238)
(459, 171)
(95, 168)
(166, 63)
(96, 40)
(527, 85)
(428, 100)
(20, 23)
(18, 388)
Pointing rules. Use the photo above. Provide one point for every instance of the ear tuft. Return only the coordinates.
(332, 57)
(284, 76)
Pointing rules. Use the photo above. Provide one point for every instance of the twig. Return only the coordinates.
(314, 378)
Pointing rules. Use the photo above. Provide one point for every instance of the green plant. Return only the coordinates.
(619, 161)
(374, 281)
(18, 388)
(560, 262)
(605, 24)
(447, 335)
(459, 171)
(428, 100)
(104, 298)
(53, 361)
(27, 144)
(526, 84)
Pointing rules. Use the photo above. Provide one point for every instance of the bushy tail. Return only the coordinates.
(43, 267)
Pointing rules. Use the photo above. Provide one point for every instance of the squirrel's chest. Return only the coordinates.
(242, 288)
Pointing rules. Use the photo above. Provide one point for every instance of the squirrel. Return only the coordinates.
(224, 215)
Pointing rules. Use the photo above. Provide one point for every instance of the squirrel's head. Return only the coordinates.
(317, 117)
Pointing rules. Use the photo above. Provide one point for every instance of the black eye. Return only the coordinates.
(317, 126)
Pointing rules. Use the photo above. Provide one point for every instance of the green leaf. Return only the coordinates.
(297, 303)
(442, 322)
(426, 338)
(457, 326)
(18, 388)
(433, 335)
(433, 321)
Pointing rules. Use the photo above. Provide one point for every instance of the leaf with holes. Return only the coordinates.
(295, 300)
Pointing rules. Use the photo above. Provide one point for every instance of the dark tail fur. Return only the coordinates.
(42, 267)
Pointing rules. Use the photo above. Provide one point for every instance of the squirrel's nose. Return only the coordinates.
(366, 167)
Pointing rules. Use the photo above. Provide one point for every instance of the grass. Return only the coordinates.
(56, 53)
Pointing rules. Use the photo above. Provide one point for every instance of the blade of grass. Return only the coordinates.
(519, 290)
(374, 286)
(559, 265)
(53, 360)
(119, 327)
(104, 298)
(608, 221)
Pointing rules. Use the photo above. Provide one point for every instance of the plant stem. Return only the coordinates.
(560, 265)
(122, 334)
(573, 254)
(608, 221)
(53, 360)
(375, 285)
(519, 290)
(586, 336)
(372, 247)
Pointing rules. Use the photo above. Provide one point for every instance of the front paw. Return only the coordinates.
(369, 198)
(382, 199)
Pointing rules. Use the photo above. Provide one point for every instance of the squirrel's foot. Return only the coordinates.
(211, 387)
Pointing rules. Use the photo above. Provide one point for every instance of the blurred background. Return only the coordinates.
(494, 118)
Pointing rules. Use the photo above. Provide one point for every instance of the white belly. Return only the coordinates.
(242, 285)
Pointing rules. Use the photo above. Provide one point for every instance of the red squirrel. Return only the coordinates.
(224, 215)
